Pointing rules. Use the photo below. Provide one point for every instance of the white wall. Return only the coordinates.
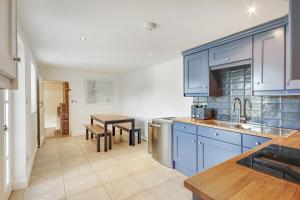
(53, 96)
(80, 112)
(24, 122)
(153, 92)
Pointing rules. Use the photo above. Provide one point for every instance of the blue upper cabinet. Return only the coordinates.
(293, 48)
(196, 74)
(271, 48)
(231, 52)
(269, 60)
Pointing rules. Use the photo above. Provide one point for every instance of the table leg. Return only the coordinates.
(110, 140)
(133, 132)
(98, 143)
(92, 121)
(113, 130)
(105, 137)
(86, 134)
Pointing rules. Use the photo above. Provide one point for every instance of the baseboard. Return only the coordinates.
(42, 140)
(20, 184)
(24, 182)
(31, 163)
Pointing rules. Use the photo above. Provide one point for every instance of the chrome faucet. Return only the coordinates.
(241, 117)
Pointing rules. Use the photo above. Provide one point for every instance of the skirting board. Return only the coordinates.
(24, 182)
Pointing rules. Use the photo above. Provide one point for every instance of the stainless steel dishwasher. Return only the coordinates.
(160, 140)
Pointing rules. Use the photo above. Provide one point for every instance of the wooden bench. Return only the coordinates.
(98, 131)
(127, 127)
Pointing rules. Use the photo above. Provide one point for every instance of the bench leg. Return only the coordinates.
(92, 135)
(121, 131)
(114, 130)
(98, 143)
(139, 137)
(105, 137)
(86, 134)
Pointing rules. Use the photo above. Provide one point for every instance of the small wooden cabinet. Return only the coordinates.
(231, 52)
(269, 60)
(8, 41)
(196, 74)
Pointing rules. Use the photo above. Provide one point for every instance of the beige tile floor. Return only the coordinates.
(69, 168)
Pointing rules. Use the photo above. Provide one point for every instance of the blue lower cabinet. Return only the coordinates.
(200, 155)
(184, 152)
(215, 152)
(245, 149)
(251, 141)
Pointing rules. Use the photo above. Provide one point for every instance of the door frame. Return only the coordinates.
(40, 106)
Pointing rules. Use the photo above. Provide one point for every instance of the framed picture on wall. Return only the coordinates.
(99, 91)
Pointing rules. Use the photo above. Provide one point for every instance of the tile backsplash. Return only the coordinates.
(279, 111)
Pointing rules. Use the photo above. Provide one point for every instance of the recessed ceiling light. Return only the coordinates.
(252, 9)
(150, 54)
(83, 39)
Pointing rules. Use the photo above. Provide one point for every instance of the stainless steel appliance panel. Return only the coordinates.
(161, 132)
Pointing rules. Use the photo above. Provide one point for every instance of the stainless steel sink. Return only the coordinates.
(254, 128)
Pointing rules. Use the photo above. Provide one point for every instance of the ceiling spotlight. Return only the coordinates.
(252, 9)
(150, 26)
(83, 39)
(150, 54)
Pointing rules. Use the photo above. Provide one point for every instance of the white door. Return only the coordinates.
(5, 144)
(41, 111)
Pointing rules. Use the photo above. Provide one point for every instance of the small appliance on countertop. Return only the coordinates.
(276, 160)
(201, 112)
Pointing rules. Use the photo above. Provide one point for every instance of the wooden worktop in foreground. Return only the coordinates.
(229, 180)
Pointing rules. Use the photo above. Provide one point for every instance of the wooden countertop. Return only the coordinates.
(229, 180)
(212, 123)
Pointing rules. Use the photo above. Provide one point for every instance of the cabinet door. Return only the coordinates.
(8, 38)
(200, 155)
(196, 73)
(231, 52)
(293, 47)
(216, 152)
(269, 60)
(185, 152)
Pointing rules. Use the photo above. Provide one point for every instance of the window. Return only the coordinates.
(33, 88)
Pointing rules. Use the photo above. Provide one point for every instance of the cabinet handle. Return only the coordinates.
(216, 134)
(17, 59)
(257, 143)
(199, 142)
(258, 83)
(194, 141)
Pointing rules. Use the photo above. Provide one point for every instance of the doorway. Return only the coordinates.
(56, 104)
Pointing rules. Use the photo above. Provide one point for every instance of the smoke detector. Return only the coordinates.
(150, 26)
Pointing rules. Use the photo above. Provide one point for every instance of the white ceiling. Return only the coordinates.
(116, 40)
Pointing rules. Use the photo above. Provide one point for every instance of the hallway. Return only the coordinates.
(70, 168)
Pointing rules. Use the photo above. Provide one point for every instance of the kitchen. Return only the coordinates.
(156, 111)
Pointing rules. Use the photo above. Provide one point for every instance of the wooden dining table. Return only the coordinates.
(108, 119)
